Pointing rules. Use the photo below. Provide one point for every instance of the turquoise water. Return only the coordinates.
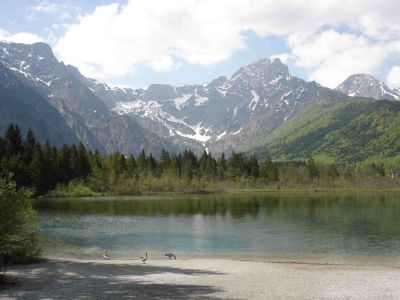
(345, 228)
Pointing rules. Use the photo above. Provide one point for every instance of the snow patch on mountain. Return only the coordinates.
(200, 100)
(253, 103)
(200, 133)
(181, 101)
(237, 132)
(220, 136)
(145, 108)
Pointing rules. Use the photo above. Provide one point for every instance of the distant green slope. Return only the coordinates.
(352, 131)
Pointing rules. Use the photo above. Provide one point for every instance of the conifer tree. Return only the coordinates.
(29, 145)
(14, 140)
(312, 168)
(38, 170)
(74, 163)
(141, 162)
(84, 165)
(131, 166)
(254, 169)
(152, 165)
(64, 165)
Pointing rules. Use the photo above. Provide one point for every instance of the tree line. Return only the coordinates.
(46, 167)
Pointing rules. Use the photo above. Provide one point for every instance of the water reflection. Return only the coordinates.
(327, 225)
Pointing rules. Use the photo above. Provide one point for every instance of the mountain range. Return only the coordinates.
(252, 110)
(35, 67)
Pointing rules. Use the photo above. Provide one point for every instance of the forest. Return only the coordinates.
(73, 170)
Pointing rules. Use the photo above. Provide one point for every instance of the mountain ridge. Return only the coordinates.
(222, 114)
(227, 114)
(365, 85)
(353, 131)
(94, 124)
(23, 105)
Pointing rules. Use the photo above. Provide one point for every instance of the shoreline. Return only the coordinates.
(200, 278)
(229, 192)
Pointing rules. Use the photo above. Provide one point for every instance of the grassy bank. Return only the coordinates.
(176, 186)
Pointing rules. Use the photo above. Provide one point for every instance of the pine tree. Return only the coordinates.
(254, 169)
(165, 161)
(38, 170)
(3, 148)
(131, 166)
(119, 163)
(14, 140)
(176, 165)
(29, 145)
(74, 165)
(269, 170)
(152, 165)
(84, 165)
(312, 168)
(64, 168)
(237, 166)
(142, 162)
(95, 160)
(221, 167)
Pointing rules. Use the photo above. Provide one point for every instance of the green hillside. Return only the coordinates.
(349, 132)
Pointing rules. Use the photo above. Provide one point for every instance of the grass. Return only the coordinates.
(79, 189)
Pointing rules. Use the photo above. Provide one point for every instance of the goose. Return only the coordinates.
(106, 256)
(170, 255)
(144, 258)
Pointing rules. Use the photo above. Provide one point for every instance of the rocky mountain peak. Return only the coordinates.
(27, 54)
(262, 71)
(225, 113)
(160, 92)
(219, 81)
(73, 96)
(43, 49)
(365, 85)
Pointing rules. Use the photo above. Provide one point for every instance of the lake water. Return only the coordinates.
(344, 228)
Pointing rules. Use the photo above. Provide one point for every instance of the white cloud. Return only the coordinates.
(113, 39)
(60, 9)
(393, 78)
(331, 56)
(284, 57)
(45, 6)
(20, 37)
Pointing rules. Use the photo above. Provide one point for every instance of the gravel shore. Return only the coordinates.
(200, 279)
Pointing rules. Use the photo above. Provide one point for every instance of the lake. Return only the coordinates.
(323, 228)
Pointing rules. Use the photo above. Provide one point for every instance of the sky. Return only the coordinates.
(136, 43)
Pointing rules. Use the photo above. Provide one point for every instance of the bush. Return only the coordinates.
(18, 238)
(75, 188)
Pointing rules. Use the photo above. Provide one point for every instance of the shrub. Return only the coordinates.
(18, 238)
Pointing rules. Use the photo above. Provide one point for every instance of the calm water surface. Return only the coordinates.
(346, 228)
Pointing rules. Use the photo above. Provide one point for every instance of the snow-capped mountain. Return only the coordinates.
(90, 119)
(30, 112)
(365, 85)
(224, 114)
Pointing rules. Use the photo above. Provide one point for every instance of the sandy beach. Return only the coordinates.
(200, 279)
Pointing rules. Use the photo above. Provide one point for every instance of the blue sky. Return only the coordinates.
(136, 43)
